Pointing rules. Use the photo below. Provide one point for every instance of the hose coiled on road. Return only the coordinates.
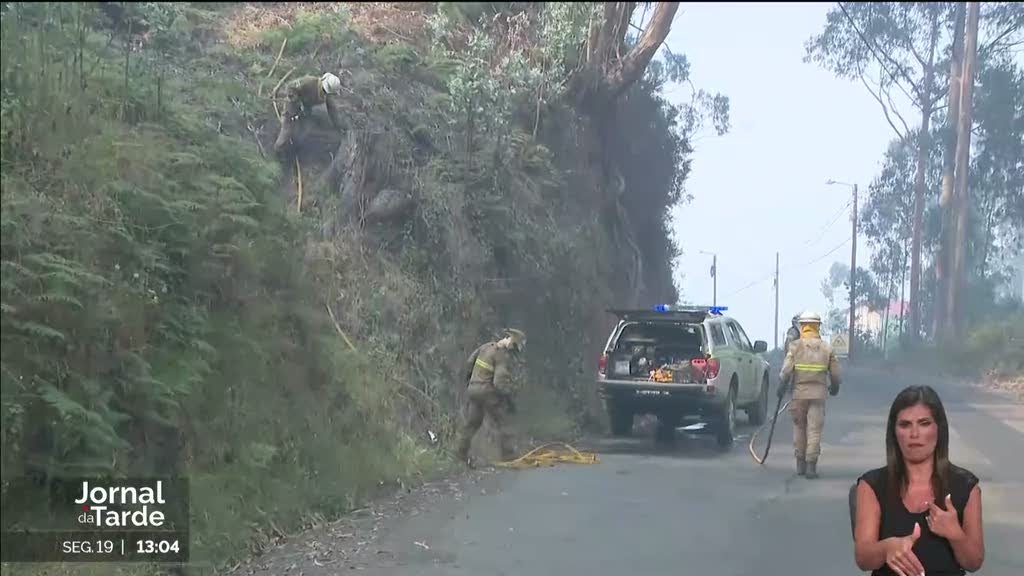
(544, 455)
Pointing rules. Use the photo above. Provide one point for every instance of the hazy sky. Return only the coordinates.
(761, 188)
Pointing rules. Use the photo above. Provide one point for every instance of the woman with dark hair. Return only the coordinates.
(919, 514)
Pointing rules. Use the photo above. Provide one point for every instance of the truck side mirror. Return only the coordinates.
(760, 347)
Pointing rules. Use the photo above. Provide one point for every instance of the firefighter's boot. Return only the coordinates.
(801, 467)
(812, 469)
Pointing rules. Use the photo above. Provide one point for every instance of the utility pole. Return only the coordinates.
(853, 276)
(853, 270)
(714, 276)
(776, 301)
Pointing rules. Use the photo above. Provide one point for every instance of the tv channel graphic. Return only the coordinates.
(95, 520)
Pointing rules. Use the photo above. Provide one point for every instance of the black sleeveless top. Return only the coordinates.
(934, 552)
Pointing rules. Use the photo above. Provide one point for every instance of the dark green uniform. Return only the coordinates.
(489, 392)
(302, 95)
(792, 335)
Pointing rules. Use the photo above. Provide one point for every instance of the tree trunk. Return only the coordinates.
(943, 262)
(890, 286)
(958, 279)
(628, 70)
(923, 146)
(903, 298)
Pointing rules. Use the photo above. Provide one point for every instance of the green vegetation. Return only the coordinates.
(907, 49)
(166, 309)
(997, 347)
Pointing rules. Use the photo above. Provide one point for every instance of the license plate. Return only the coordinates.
(622, 367)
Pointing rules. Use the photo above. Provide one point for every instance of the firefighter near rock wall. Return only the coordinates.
(303, 94)
(489, 390)
(810, 370)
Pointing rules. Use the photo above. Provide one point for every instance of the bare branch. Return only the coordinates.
(885, 109)
(643, 17)
(605, 34)
(627, 70)
(875, 52)
(913, 50)
(619, 33)
(895, 110)
(984, 51)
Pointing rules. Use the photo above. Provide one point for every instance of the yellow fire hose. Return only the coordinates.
(753, 436)
(545, 455)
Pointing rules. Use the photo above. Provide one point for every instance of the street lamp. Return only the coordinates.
(853, 267)
(714, 276)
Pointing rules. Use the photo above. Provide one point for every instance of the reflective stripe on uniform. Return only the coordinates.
(812, 367)
(484, 365)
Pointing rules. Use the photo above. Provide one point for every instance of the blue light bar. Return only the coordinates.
(716, 310)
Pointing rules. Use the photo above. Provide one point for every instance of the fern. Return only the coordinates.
(58, 298)
(40, 331)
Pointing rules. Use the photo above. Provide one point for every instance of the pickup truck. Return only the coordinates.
(682, 362)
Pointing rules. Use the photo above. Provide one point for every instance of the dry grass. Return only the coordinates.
(378, 22)
(386, 22)
(1011, 385)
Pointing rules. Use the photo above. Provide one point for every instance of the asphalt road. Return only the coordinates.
(689, 509)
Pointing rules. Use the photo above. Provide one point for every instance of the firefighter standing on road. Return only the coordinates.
(302, 95)
(489, 390)
(792, 335)
(810, 368)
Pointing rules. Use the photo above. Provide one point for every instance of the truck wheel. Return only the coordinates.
(726, 431)
(621, 419)
(758, 413)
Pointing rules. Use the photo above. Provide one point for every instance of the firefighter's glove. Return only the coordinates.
(833, 389)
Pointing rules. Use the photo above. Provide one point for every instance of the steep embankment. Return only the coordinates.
(171, 306)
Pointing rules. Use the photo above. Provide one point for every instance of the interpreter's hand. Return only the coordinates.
(944, 523)
(899, 554)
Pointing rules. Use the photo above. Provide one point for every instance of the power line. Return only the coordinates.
(823, 230)
(835, 218)
(754, 283)
(825, 255)
(771, 274)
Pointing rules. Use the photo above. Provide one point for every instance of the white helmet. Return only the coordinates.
(809, 317)
(330, 83)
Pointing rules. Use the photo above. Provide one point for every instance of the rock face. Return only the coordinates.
(389, 204)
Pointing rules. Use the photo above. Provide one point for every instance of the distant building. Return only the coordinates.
(873, 321)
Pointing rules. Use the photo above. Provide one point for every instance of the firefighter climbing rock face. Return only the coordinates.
(490, 390)
(809, 365)
(302, 95)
